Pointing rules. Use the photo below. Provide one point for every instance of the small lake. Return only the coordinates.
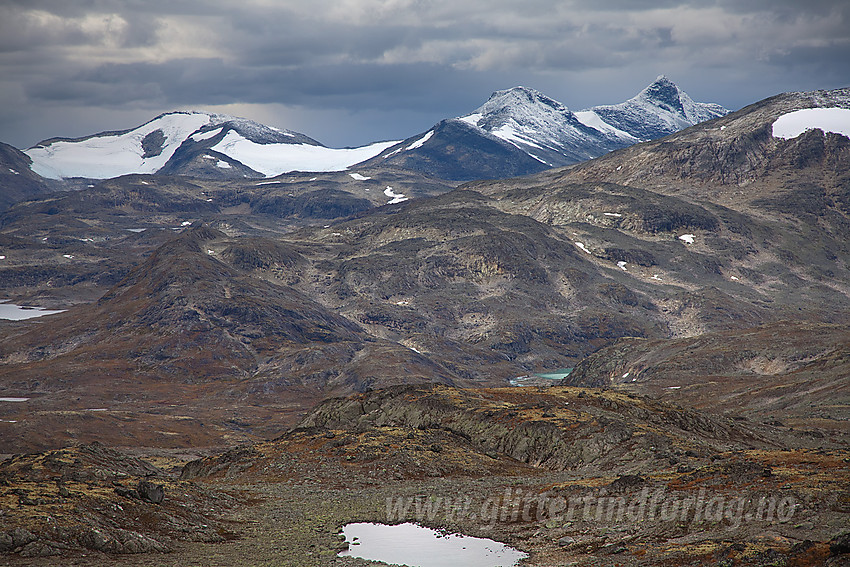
(541, 378)
(416, 546)
(12, 312)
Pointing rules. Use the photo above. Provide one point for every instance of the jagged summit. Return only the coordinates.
(660, 109)
(664, 92)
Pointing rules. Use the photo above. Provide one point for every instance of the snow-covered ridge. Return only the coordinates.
(274, 159)
(148, 148)
(792, 124)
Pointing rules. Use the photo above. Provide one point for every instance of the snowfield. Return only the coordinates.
(104, 157)
(274, 159)
(793, 124)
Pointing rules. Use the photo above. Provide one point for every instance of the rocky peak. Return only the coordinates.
(522, 106)
(664, 93)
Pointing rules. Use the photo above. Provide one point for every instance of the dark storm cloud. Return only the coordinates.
(214, 82)
(427, 58)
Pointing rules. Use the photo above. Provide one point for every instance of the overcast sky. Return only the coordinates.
(349, 72)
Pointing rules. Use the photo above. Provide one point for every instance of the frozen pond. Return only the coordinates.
(14, 312)
(415, 546)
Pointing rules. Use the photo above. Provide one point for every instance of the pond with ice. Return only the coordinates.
(417, 546)
(12, 312)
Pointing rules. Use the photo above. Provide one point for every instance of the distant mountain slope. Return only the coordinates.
(528, 132)
(195, 143)
(17, 181)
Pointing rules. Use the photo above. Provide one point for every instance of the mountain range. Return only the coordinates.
(278, 358)
(517, 131)
(722, 227)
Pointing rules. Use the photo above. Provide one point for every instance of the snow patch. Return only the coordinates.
(583, 247)
(618, 215)
(223, 164)
(622, 265)
(358, 177)
(793, 124)
(509, 134)
(394, 197)
(200, 136)
(687, 238)
(541, 160)
(591, 119)
(473, 118)
(421, 141)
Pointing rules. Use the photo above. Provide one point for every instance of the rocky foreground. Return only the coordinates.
(577, 476)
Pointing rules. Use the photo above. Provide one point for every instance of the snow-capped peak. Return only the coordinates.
(658, 110)
(665, 94)
(535, 123)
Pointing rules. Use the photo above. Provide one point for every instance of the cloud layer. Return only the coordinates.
(351, 71)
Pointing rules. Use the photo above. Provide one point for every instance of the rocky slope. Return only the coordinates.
(17, 181)
(792, 374)
(92, 499)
